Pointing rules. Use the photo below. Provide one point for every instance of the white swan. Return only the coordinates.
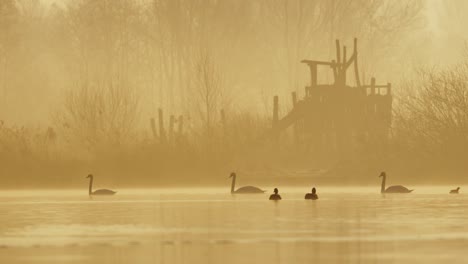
(245, 189)
(394, 188)
(100, 191)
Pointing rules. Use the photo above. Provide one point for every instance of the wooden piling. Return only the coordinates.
(313, 76)
(171, 127)
(295, 126)
(162, 133)
(223, 121)
(180, 128)
(356, 68)
(372, 86)
(153, 128)
(335, 68)
(343, 65)
(338, 56)
(275, 111)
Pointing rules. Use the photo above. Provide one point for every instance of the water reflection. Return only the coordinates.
(212, 226)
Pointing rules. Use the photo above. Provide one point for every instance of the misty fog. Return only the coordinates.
(84, 84)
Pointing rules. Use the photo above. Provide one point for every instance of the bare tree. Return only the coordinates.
(431, 118)
(209, 90)
(98, 116)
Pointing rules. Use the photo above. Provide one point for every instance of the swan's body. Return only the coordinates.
(97, 192)
(311, 196)
(394, 188)
(275, 196)
(245, 189)
(455, 191)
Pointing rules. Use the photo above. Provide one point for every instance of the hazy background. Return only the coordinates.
(80, 80)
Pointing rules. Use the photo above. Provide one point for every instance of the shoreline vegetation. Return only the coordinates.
(428, 140)
(160, 93)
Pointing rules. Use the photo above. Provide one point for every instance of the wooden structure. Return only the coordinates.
(335, 118)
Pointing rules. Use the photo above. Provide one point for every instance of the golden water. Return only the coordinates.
(346, 225)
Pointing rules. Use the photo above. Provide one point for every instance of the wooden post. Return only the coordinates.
(343, 69)
(153, 128)
(275, 111)
(356, 69)
(338, 61)
(372, 86)
(162, 133)
(180, 129)
(171, 127)
(389, 89)
(295, 127)
(313, 76)
(223, 121)
(335, 70)
(338, 56)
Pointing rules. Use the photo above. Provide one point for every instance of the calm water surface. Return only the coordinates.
(212, 226)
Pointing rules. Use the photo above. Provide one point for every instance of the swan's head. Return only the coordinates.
(275, 190)
(233, 174)
(313, 190)
(90, 176)
(383, 174)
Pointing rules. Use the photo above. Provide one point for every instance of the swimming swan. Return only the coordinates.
(245, 189)
(394, 188)
(455, 191)
(100, 191)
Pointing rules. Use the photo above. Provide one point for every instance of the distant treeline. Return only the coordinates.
(428, 144)
(100, 70)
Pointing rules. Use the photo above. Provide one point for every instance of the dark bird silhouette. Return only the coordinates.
(275, 196)
(394, 188)
(455, 191)
(100, 191)
(245, 189)
(311, 196)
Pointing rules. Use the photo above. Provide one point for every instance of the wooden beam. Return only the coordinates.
(309, 62)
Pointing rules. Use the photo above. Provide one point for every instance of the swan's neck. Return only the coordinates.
(382, 189)
(233, 184)
(90, 190)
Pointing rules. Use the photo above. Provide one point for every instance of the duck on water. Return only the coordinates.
(245, 189)
(97, 192)
(311, 196)
(394, 188)
(275, 196)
